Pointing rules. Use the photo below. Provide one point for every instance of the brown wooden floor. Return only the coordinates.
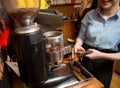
(115, 81)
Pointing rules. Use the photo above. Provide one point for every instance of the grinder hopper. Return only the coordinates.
(54, 46)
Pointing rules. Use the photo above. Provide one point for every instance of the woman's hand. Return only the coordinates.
(78, 45)
(94, 54)
(79, 49)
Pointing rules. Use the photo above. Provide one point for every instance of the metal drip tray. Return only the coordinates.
(69, 82)
(80, 75)
(79, 71)
(57, 75)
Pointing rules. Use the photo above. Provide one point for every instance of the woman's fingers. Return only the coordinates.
(79, 49)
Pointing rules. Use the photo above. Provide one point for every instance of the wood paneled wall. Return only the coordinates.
(68, 9)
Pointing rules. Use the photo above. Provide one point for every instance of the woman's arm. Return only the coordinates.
(78, 42)
(95, 54)
(111, 56)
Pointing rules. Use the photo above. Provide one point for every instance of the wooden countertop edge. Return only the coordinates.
(92, 83)
(70, 20)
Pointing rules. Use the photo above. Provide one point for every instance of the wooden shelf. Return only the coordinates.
(70, 20)
(65, 4)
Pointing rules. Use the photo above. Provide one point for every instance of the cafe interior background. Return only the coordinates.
(78, 8)
(67, 14)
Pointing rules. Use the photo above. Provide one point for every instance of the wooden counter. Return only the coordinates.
(92, 83)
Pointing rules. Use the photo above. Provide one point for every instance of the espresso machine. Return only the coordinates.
(37, 70)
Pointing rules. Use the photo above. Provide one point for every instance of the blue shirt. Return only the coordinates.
(100, 33)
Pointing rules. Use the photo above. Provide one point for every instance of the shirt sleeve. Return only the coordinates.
(82, 32)
(85, 23)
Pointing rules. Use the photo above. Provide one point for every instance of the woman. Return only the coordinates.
(100, 35)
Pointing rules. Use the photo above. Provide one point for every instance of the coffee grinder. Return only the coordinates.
(30, 46)
(28, 42)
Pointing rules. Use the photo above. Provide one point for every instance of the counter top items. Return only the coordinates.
(64, 74)
(81, 78)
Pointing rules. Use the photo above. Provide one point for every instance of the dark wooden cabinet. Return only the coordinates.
(69, 30)
(117, 67)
